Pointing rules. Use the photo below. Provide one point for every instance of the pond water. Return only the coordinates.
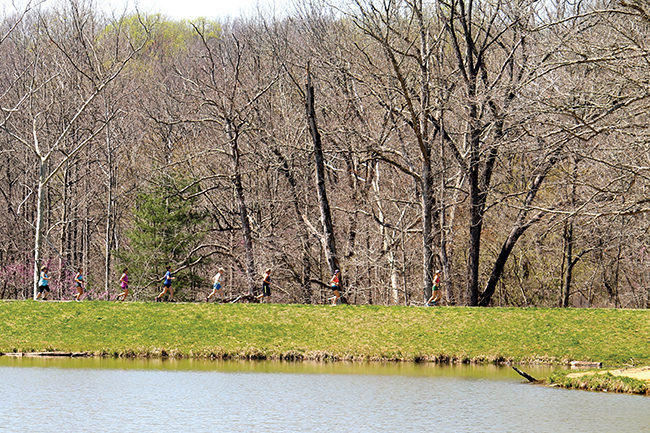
(102, 395)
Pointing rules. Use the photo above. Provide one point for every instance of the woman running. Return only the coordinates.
(124, 283)
(167, 286)
(43, 284)
(79, 285)
(266, 286)
(335, 285)
(216, 286)
(435, 291)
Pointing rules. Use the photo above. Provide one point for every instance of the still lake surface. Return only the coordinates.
(110, 395)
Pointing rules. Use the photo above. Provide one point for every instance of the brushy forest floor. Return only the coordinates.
(281, 331)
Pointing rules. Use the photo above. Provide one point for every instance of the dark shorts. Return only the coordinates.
(335, 287)
(266, 289)
(42, 289)
(77, 285)
(216, 286)
(167, 285)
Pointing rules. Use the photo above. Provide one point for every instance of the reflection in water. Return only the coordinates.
(307, 367)
(156, 395)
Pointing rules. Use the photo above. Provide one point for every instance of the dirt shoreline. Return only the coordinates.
(639, 373)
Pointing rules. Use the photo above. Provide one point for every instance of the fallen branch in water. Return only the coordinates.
(524, 374)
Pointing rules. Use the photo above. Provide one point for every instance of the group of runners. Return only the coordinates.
(44, 284)
(217, 288)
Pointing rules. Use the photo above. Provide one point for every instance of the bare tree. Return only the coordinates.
(77, 56)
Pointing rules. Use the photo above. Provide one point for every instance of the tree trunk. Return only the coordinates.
(427, 228)
(243, 213)
(64, 247)
(326, 217)
(38, 238)
(445, 260)
(567, 264)
(109, 214)
(476, 223)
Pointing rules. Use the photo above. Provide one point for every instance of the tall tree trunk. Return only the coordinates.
(64, 257)
(445, 260)
(326, 217)
(428, 198)
(387, 241)
(243, 212)
(567, 264)
(353, 218)
(476, 224)
(87, 230)
(38, 238)
(427, 227)
(109, 214)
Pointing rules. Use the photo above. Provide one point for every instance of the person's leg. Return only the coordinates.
(161, 294)
(212, 293)
(436, 296)
(171, 294)
(336, 297)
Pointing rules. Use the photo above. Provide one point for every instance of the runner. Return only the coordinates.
(79, 285)
(167, 286)
(335, 285)
(266, 287)
(124, 283)
(216, 286)
(43, 284)
(435, 291)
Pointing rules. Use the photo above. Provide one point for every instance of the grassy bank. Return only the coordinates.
(600, 381)
(614, 337)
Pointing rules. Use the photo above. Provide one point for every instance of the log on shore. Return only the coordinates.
(585, 364)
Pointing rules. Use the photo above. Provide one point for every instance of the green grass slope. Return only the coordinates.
(614, 337)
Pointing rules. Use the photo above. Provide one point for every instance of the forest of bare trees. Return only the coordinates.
(505, 142)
